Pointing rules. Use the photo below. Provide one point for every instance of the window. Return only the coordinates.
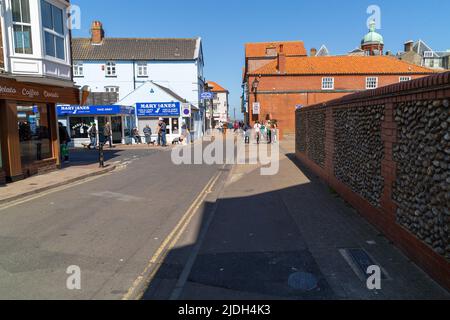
(111, 69)
(112, 89)
(142, 69)
(53, 23)
(79, 127)
(428, 54)
(371, 82)
(405, 79)
(34, 132)
(78, 70)
(22, 27)
(327, 83)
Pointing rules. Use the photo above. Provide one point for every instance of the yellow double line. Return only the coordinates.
(169, 243)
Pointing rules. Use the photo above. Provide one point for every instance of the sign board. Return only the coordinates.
(158, 109)
(207, 95)
(68, 110)
(256, 108)
(186, 111)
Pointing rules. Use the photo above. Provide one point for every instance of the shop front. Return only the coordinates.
(78, 120)
(175, 114)
(28, 127)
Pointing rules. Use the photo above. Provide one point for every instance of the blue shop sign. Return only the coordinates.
(158, 109)
(66, 110)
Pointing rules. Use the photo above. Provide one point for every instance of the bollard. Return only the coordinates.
(101, 156)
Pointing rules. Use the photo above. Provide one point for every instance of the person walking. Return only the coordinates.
(64, 141)
(107, 133)
(92, 133)
(269, 132)
(246, 129)
(274, 132)
(148, 135)
(262, 129)
(257, 128)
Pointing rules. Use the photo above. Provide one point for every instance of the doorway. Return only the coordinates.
(116, 127)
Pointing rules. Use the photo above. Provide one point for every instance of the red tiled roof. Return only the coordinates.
(216, 87)
(291, 48)
(344, 65)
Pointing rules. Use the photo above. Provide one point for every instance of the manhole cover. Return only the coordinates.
(303, 281)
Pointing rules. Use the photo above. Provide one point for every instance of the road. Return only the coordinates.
(110, 227)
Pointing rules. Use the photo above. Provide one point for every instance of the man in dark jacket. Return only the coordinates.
(107, 133)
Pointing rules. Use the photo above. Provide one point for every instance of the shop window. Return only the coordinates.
(79, 127)
(22, 27)
(34, 132)
(53, 23)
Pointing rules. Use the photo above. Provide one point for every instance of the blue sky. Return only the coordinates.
(225, 26)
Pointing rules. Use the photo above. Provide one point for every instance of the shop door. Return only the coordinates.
(116, 126)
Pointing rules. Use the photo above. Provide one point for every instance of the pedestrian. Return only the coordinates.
(257, 128)
(162, 141)
(107, 133)
(64, 141)
(236, 126)
(137, 136)
(246, 129)
(269, 132)
(92, 132)
(148, 135)
(262, 129)
(274, 132)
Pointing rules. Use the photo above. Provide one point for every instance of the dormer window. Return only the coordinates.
(22, 27)
(53, 23)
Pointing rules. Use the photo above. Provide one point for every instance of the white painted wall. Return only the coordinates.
(182, 77)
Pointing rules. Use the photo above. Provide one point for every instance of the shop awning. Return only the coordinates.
(109, 110)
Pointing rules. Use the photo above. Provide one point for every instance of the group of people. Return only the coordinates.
(264, 131)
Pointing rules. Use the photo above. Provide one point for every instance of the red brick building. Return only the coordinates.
(280, 82)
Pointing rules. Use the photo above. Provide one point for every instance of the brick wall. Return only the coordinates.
(279, 95)
(387, 153)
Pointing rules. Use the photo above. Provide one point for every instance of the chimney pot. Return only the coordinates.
(97, 32)
(313, 52)
(281, 61)
(409, 46)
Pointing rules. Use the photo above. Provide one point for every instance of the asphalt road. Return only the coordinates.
(108, 226)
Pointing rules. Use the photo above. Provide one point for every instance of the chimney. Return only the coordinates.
(409, 46)
(281, 60)
(313, 52)
(97, 32)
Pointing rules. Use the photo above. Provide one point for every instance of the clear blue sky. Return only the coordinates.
(225, 26)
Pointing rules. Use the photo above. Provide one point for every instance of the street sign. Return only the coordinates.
(256, 108)
(186, 110)
(207, 95)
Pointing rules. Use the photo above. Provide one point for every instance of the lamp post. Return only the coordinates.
(255, 86)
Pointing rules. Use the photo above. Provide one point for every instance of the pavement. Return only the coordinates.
(286, 236)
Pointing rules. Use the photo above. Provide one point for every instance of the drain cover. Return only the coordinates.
(360, 261)
(303, 281)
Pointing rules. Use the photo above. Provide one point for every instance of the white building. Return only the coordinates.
(123, 65)
(36, 41)
(220, 103)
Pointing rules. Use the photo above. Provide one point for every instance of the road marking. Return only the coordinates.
(45, 193)
(171, 240)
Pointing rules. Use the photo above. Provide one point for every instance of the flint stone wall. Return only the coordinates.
(422, 188)
(359, 149)
(311, 135)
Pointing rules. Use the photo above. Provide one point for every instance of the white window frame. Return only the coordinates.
(115, 89)
(371, 83)
(405, 79)
(78, 69)
(328, 83)
(142, 69)
(111, 69)
(55, 34)
(22, 24)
